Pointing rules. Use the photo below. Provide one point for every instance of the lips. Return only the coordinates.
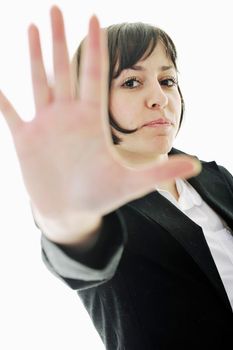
(160, 121)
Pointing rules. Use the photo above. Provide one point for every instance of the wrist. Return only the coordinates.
(75, 229)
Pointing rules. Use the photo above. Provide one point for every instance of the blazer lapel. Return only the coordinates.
(211, 185)
(212, 189)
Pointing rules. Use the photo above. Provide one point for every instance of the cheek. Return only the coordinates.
(123, 110)
(175, 105)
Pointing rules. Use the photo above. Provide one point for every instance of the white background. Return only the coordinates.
(38, 311)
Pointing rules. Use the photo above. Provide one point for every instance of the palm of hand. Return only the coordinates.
(65, 152)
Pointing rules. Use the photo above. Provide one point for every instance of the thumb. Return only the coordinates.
(147, 180)
(11, 116)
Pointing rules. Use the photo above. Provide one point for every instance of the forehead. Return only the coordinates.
(158, 60)
(158, 57)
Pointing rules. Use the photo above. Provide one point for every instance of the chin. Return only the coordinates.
(160, 148)
(147, 149)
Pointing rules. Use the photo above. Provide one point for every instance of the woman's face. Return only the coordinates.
(146, 93)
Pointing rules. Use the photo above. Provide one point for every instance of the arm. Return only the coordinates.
(84, 268)
(68, 161)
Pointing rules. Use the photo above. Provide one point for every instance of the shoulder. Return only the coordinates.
(226, 175)
(210, 168)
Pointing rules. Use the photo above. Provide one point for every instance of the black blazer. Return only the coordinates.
(164, 290)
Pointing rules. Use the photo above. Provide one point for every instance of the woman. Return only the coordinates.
(145, 249)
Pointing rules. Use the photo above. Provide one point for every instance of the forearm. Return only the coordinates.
(85, 268)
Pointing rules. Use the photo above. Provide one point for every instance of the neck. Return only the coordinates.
(170, 187)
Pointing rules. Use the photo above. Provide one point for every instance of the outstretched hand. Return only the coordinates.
(66, 154)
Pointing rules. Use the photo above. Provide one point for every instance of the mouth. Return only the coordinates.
(159, 123)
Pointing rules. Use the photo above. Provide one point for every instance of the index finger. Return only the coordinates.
(94, 65)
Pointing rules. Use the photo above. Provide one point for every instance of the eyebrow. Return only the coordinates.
(143, 69)
(162, 68)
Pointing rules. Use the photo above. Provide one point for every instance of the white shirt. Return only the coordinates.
(217, 233)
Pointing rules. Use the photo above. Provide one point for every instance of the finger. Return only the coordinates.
(104, 94)
(60, 56)
(176, 166)
(92, 72)
(12, 118)
(41, 90)
(143, 181)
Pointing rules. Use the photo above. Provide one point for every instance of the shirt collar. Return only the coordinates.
(188, 196)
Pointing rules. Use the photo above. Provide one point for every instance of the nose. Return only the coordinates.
(156, 98)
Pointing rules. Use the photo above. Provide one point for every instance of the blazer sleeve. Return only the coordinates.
(81, 270)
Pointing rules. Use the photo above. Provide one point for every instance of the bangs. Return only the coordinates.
(129, 43)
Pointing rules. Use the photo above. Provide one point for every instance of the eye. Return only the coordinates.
(131, 83)
(169, 82)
